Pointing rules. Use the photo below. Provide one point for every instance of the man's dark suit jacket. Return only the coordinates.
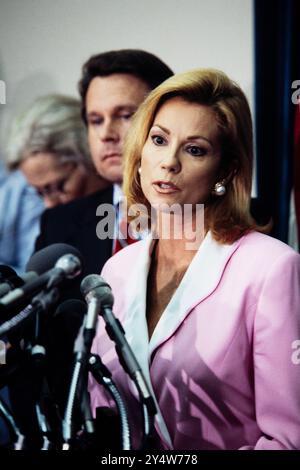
(75, 223)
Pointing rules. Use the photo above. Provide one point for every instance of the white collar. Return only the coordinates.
(117, 194)
(195, 285)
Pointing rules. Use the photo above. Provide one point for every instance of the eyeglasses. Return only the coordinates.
(58, 187)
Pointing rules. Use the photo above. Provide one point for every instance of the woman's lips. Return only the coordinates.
(165, 187)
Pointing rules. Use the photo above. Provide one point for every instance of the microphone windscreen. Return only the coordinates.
(66, 322)
(16, 281)
(97, 286)
(91, 282)
(45, 259)
(70, 309)
(6, 272)
(28, 277)
(62, 331)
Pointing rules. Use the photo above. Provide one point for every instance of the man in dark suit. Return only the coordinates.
(112, 86)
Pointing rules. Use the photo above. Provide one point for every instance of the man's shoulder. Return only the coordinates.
(126, 257)
(75, 223)
(84, 205)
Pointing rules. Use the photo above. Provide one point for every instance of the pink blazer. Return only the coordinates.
(223, 362)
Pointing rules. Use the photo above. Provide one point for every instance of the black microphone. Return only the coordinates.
(44, 259)
(16, 281)
(94, 309)
(67, 320)
(9, 279)
(95, 286)
(67, 265)
(62, 331)
(34, 335)
(78, 390)
(6, 272)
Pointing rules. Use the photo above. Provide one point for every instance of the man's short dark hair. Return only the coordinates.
(141, 64)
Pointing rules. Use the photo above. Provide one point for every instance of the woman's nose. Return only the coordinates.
(170, 161)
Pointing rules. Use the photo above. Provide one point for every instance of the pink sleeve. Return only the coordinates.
(276, 371)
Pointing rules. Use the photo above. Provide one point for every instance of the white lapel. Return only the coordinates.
(135, 324)
(200, 279)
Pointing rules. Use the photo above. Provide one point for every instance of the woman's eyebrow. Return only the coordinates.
(191, 137)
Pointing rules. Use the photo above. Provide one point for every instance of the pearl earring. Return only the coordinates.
(219, 189)
(140, 170)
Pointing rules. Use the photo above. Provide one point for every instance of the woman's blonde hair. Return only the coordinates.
(227, 217)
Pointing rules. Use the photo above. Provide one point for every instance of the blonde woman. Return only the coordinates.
(215, 323)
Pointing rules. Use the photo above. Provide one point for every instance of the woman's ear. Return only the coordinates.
(229, 176)
(224, 180)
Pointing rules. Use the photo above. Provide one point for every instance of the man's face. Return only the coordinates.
(110, 103)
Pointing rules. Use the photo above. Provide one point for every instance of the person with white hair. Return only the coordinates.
(48, 143)
(48, 154)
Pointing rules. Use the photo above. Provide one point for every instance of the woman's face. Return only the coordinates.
(181, 157)
(57, 183)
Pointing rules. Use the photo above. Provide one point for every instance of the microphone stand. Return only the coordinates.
(42, 302)
(78, 386)
(103, 376)
(96, 289)
(43, 424)
(11, 324)
(14, 430)
(87, 412)
(133, 369)
(39, 305)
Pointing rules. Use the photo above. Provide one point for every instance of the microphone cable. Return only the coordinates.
(103, 376)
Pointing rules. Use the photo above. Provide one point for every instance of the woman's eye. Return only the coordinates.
(196, 151)
(158, 139)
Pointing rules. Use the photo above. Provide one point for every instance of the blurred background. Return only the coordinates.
(44, 44)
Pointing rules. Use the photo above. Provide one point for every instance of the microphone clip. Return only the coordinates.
(45, 299)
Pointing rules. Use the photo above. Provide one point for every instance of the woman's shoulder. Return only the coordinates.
(266, 248)
(258, 258)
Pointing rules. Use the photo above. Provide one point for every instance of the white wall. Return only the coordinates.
(43, 43)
